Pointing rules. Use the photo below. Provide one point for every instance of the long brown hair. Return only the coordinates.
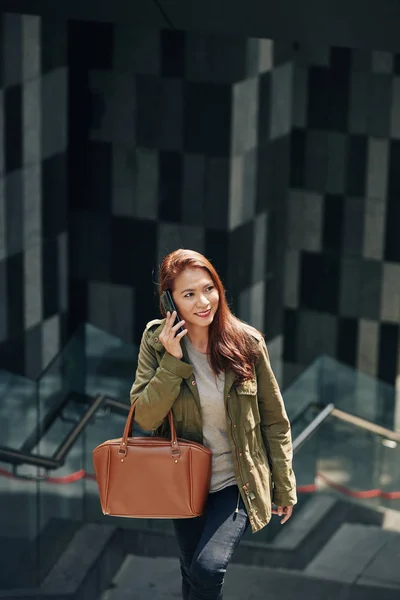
(229, 344)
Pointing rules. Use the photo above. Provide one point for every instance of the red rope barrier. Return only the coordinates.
(305, 489)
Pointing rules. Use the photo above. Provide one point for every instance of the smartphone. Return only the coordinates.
(168, 304)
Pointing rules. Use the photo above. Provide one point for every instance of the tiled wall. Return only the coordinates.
(33, 192)
(279, 164)
(342, 271)
(179, 126)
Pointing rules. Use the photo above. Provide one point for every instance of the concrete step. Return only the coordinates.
(359, 553)
(305, 534)
(159, 579)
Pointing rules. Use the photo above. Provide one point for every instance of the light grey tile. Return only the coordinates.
(265, 55)
(32, 121)
(30, 47)
(317, 334)
(244, 116)
(32, 205)
(136, 50)
(146, 194)
(3, 301)
(249, 185)
(54, 107)
(33, 360)
(123, 180)
(374, 228)
(358, 106)
(390, 300)
(350, 285)
(14, 212)
(337, 163)
(111, 308)
(33, 286)
(300, 96)
(368, 344)
(312, 221)
(395, 109)
(353, 234)
(377, 167)
(379, 100)
(317, 159)
(193, 189)
(257, 305)
(172, 236)
(292, 278)
(51, 339)
(236, 196)
(382, 62)
(260, 246)
(63, 270)
(3, 240)
(1, 132)
(12, 49)
(281, 101)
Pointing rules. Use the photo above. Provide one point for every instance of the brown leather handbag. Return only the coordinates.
(152, 477)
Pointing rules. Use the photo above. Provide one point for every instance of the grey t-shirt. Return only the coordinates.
(211, 392)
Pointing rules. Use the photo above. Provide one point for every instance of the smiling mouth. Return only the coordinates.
(204, 313)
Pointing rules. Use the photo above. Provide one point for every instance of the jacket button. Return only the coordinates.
(156, 339)
(234, 425)
(228, 396)
(241, 454)
(193, 382)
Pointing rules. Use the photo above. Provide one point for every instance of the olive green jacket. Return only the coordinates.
(257, 423)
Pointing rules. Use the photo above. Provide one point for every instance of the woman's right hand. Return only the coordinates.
(170, 341)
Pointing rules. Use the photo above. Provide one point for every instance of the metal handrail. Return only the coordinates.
(18, 457)
(310, 429)
(368, 425)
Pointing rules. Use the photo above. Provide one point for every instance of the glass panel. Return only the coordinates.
(390, 474)
(110, 364)
(18, 409)
(356, 392)
(349, 462)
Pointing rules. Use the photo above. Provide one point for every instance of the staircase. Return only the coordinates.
(330, 549)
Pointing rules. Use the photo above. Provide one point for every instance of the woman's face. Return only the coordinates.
(196, 297)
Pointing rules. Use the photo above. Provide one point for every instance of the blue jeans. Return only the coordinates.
(206, 544)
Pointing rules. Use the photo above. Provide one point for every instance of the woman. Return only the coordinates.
(216, 377)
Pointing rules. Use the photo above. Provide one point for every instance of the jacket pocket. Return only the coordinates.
(248, 402)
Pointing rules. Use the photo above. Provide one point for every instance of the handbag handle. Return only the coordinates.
(175, 451)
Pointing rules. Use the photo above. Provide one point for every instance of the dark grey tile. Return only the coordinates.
(11, 52)
(193, 189)
(50, 278)
(15, 295)
(353, 233)
(337, 157)
(241, 255)
(54, 43)
(3, 301)
(316, 160)
(370, 293)
(379, 99)
(207, 122)
(13, 128)
(159, 113)
(216, 59)
(216, 192)
(33, 351)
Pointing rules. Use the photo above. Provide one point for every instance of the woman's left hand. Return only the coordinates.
(284, 510)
